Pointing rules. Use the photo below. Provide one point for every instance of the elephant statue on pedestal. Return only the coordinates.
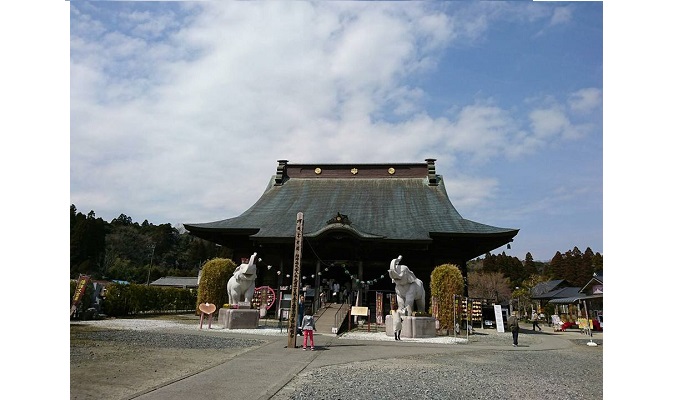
(409, 289)
(242, 284)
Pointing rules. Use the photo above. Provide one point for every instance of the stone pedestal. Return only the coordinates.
(413, 327)
(230, 318)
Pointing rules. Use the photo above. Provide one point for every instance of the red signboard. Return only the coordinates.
(379, 308)
(263, 296)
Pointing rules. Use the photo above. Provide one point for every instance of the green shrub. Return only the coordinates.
(116, 300)
(126, 299)
(213, 282)
(446, 280)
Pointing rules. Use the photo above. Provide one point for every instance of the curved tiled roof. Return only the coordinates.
(407, 203)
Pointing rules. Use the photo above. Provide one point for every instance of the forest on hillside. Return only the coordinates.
(129, 251)
(124, 250)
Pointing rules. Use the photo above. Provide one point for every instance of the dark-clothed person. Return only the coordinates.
(513, 323)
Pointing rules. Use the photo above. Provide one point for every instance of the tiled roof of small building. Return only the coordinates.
(559, 293)
(176, 281)
(545, 287)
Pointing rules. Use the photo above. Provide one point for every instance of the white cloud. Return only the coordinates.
(585, 100)
(548, 122)
(561, 15)
(190, 126)
(469, 192)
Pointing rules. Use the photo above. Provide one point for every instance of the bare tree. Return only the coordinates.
(489, 285)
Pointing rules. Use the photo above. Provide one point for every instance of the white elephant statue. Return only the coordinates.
(242, 284)
(409, 289)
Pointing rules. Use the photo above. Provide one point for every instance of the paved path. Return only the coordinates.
(262, 371)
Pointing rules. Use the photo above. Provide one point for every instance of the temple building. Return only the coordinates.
(357, 218)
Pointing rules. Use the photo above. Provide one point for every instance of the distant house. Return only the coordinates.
(184, 282)
(586, 300)
(545, 292)
(593, 290)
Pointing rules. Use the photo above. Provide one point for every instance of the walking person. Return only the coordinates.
(513, 323)
(534, 321)
(308, 328)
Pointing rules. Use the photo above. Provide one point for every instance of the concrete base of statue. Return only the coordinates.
(232, 318)
(413, 327)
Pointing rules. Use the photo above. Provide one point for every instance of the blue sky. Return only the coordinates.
(179, 111)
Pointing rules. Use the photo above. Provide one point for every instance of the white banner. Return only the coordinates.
(498, 318)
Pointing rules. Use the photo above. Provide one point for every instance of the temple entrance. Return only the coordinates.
(339, 281)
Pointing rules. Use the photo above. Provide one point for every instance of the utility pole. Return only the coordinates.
(150, 268)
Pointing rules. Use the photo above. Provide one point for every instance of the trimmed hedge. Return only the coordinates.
(128, 299)
(213, 282)
(446, 280)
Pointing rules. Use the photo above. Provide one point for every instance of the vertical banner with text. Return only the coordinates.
(435, 312)
(379, 308)
(296, 271)
(82, 282)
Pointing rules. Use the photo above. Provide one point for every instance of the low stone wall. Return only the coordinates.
(413, 327)
(230, 318)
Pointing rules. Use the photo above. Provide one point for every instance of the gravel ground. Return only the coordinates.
(573, 374)
(117, 358)
(114, 359)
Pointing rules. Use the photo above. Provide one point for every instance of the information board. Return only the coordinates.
(499, 320)
(359, 311)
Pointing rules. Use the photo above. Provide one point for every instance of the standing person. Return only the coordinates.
(308, 328)
(534, 320)
(513, 323)
(397, 320)
(336, 290)
(322, 299)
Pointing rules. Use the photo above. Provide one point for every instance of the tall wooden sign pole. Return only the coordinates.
(292, 320)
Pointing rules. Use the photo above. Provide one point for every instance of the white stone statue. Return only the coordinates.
(242, 284)
(409, 289)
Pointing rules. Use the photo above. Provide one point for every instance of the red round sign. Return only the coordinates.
(263, 295)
